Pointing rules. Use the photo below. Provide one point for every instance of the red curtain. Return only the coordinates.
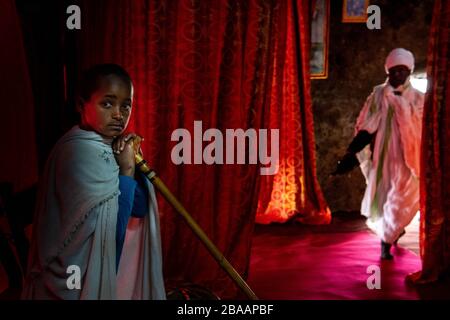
(435, 162)
(294, 191)
(18, 163)
(232, 65)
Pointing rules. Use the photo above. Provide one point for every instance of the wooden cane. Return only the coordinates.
(159, 184)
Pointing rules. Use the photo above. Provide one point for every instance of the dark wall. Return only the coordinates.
(356, 65)
(50, 49)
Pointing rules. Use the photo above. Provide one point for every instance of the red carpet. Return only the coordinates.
(291, 264)
(297, 262)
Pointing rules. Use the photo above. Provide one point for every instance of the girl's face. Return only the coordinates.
(108, 110)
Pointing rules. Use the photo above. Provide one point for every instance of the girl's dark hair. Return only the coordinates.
(90, 79)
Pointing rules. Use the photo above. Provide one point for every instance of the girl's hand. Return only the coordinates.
(124, 153)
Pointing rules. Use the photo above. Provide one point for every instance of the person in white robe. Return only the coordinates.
(389, 127)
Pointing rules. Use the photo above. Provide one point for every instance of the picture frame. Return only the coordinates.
(320, 13)
(354, 11)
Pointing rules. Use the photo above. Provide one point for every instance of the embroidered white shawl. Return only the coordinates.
(75, 225)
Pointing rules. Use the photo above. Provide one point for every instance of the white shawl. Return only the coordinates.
(407, 111)
(392, 195)
(75, 225)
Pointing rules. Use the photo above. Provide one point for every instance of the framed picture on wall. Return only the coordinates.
(319, 39)
(355, 11)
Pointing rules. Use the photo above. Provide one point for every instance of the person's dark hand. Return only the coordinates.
(124, 153)
(347, 163)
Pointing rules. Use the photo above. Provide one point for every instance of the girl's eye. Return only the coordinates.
(107, 104)
(127, 107)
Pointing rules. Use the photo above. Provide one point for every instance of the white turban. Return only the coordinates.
(399, 56)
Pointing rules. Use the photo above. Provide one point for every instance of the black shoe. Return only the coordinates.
(401, 235)
(385, 248)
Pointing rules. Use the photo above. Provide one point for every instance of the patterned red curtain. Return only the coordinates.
(294, 192)
(435, 162)
(232, 65)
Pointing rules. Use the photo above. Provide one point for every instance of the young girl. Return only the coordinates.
(96, 227)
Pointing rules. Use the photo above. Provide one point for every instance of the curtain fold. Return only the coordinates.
(294, 192)
(231, 65)
(435, 156)
(18, 163)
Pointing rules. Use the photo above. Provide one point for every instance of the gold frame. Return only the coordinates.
(320, 31)
(359, 17)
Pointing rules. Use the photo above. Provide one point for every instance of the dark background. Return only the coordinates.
(50, 46)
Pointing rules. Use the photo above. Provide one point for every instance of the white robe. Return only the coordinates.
(391, 199)
(75, 225)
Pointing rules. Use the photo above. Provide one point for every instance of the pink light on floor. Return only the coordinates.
(323, 266)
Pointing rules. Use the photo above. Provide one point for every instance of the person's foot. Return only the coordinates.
(385, 251)
(401, 235)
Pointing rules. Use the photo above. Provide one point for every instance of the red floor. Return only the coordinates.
(298, 262)
(294, 262)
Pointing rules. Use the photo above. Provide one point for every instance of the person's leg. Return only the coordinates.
(385, 251)
(401, 235)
